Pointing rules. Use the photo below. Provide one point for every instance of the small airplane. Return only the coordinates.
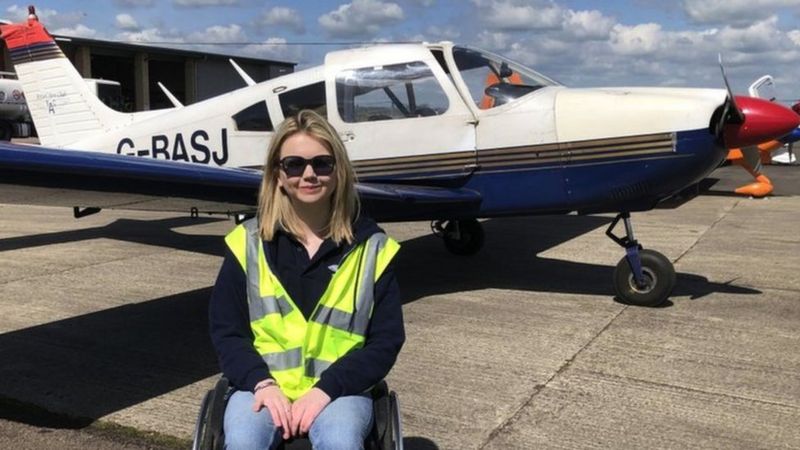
(752, 158)
(429, 138)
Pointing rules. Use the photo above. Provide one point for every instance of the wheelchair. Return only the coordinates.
(386, 433)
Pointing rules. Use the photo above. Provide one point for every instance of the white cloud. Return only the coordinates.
(133, 3)
(361, 17)
(203, 40)
(274, 48)
(544, 18)
(126, 22)
(519, 14)
(201, 3)
(79, 30)
(219, 33)
(494, 41)
(283, 16)
(51, 18)
(151, 35)
(758, 37)
(434, 34)
(588, 25)
(636, 40)
(794, 36)
(734, 12)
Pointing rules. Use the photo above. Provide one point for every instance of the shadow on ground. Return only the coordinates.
(509, 261)
(95, 364)
(102, 362)
(151, 232)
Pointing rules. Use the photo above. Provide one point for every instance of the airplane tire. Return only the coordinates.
(659, 274)
(467, 241)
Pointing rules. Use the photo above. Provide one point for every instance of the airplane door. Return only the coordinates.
(401, 118)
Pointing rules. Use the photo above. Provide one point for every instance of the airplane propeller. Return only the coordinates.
(732, 112)
(747, 121)
(790, 147)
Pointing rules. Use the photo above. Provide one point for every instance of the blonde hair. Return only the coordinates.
(274, 206)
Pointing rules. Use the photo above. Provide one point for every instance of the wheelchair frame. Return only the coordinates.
(386, 433)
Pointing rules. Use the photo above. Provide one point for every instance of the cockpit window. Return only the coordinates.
(307, 97)
(389, 92)
(253, 118)
(493, 80)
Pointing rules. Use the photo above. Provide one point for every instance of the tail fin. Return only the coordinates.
(63, 108)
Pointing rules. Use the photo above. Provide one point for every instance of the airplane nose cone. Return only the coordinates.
(763, 121)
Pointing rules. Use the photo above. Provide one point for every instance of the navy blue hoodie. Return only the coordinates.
(305, 280)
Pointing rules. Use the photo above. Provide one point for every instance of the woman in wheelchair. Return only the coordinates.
(305, 314)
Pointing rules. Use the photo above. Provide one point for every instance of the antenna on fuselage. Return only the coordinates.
(172, 99)
(247, 79)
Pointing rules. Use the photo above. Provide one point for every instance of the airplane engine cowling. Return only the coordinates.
(583, 114)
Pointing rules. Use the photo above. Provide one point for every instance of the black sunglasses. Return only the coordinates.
(294, 166)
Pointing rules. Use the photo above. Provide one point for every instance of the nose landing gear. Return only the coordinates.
(461, 237)
(642, 277)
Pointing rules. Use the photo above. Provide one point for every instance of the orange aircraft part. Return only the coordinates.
(765, 149)
(760, 188)
(487, 102)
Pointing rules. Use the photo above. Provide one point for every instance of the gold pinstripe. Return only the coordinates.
(523, 155)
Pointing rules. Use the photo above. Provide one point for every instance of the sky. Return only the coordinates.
(580, 43)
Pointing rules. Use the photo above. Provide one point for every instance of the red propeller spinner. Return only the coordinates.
(762, 121)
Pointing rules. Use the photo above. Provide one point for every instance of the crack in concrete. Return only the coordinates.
(540, 387)
(719, 219)
(694, 390)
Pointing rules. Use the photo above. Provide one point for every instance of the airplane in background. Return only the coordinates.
(429, 139)
(753, 157)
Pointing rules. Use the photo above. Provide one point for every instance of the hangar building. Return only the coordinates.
(190, 75)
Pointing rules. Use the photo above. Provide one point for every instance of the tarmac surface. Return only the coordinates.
(103, 337)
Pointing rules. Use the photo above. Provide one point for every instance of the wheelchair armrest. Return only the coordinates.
(379, 390)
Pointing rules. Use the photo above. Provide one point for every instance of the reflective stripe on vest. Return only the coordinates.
(295, 350)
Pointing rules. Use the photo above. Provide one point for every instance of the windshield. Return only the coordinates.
(494, 80)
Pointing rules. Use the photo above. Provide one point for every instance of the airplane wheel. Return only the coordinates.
(463, 237)
(659, 275)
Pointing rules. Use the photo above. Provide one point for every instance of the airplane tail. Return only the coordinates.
(61, 105)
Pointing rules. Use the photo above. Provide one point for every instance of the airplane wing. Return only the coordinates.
(53, 177)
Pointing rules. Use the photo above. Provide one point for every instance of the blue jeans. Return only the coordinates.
(342, 425)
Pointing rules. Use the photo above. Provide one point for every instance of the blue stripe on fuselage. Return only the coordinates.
(632, 183)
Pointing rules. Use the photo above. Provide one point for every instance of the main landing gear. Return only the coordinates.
(461, 237)
(642, 277)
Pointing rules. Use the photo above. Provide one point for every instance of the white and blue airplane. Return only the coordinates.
(437, 132)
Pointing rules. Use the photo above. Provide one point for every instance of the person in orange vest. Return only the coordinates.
(487, 101)
(305, 314)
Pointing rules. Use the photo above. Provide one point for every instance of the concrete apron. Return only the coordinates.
(521, 346)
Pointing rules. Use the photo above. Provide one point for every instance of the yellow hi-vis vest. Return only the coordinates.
(297, 351)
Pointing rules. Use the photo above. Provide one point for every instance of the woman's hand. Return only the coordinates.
(306, 409)
(278, 405)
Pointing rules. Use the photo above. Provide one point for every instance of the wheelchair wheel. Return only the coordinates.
(387, 432)
(397, 426)
(201, 426)
(208, 431)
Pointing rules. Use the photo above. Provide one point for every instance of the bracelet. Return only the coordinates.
(263, 384)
